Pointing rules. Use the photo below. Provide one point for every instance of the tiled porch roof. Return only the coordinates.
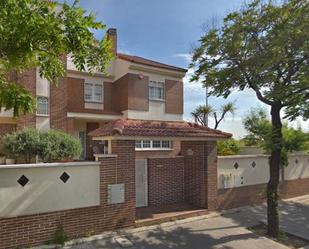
(143, 128)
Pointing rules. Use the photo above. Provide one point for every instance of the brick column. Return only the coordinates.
(28, 81)
(59, 103)
(200, 169)
(125, 168)
(70, 126)
(211, 174)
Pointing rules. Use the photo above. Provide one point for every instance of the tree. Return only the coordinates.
(264, 47)
(228, 147)
(24, 143)
(57, 145)
(202, 112)
(37, 34)
(49, 145)
(258, 126)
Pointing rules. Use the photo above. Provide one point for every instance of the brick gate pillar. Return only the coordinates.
(200, 173)
(211, 174)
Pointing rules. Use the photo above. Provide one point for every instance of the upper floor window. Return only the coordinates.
(153, 145)
(42, 107)
(156, 90)
(93, 92)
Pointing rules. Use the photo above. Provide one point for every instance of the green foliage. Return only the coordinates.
(58, 145)
(202, 112)
(228, 147)
(264, 47)
(258, 126)
(37, 34)
(259, 129)
(49, 146)
(24, 143)
(60, 237)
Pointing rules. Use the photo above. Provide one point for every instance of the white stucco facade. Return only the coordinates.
(244, 170)
(45, 191)
(156, 112)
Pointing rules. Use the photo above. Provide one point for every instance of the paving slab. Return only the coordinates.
(216, 232)
(294, 216)
(226, 231)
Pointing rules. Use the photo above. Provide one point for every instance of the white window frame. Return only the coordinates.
(140, 145)
(45, 112)
(92, 98)
(156, 85)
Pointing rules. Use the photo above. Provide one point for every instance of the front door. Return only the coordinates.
(82, 139)
(141, 183)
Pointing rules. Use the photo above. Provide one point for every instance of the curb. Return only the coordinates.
(121, 232)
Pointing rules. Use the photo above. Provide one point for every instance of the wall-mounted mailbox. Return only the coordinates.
(115, 193)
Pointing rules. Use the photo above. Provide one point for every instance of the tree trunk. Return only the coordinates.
(274, 169)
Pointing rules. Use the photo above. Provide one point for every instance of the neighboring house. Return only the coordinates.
(136, 88)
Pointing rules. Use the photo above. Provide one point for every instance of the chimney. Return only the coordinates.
(112, 35)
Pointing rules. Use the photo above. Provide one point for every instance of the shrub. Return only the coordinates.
(228, 147)
(58, 145)
(49, 146)
(24, 143)
(60, 237)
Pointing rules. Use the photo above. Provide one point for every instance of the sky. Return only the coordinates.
(166, 31)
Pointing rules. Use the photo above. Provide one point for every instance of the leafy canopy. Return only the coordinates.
(228, 147)
(49, 145)
(259, 129)
(38, 34)
(202, 112)
(264, 47)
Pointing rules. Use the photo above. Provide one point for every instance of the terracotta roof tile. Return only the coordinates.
(147, 62)
(144, 128)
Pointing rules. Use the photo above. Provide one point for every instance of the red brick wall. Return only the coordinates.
(294, 188)
(211, 174)
(37, 229)
(200, 167)
(58, 105)
(256, 194)
(89, 142)
(165, 181)
(28, 80)
(174, 96)
(76, 102)
(194, 173)
(130, 92)
(242, 196)
(6, 129)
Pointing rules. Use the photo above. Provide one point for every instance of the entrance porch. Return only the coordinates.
(169, 186)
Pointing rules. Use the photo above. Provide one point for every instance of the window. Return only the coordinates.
(146, 144)
(93, 92)
(156, 90)
(42, 105)
(153, 145)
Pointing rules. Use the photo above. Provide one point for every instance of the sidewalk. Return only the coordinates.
(214, 230)
(192, 233)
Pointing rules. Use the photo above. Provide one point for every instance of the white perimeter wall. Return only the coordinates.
(230, 176)
(45, 192)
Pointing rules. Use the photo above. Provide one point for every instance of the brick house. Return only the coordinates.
(136, 88)
(142, 101)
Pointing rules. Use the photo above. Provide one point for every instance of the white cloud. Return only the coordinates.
(124, 51)
(186, 56)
